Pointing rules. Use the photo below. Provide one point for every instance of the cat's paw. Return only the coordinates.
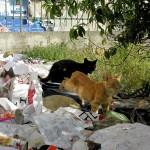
(65, 78)
(95, 110)
(83, 102)
(61, 88)
(86, 107)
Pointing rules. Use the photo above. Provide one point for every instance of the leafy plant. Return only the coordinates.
(132, 15)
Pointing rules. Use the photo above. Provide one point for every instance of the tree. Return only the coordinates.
(132, 14)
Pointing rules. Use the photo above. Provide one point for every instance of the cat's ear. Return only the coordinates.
(85, 60)
(95, 61)
(118, 78)
(107, 77)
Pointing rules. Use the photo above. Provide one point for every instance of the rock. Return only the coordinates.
(56, 101)
(124, 136)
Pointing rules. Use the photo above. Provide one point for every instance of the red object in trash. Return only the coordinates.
(31, 93)
(52, 147)
(45, 147)
(101, 117)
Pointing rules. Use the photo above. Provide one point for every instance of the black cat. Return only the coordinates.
(64, 68)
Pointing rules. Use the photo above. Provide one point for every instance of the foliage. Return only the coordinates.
(132, 63)
(132, 14)
(54, 52)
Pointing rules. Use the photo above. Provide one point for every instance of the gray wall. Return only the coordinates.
(20, 41)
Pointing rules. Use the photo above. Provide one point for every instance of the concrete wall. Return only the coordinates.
(20, 41)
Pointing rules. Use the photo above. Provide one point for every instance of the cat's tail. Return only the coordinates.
(46, 79)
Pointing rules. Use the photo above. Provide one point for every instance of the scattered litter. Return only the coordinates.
(29, 120)
(13, 142)
(85, 115)
(59, 128)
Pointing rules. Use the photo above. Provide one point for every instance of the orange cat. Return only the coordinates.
(91, 91)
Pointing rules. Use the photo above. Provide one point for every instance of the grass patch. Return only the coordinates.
(56, 52)
(133, 62)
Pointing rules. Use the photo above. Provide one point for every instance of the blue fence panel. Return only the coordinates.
(22, 16)
(13, 20)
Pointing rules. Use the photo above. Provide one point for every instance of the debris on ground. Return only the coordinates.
(54, 102)
(38, 116)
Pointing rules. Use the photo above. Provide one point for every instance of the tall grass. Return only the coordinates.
(132, 62)
(55, 52)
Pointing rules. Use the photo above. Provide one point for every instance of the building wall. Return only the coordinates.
(21, 40)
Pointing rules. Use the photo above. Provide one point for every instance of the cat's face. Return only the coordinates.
(112, 85)
(90, 65)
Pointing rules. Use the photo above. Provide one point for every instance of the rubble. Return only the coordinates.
(56, 120)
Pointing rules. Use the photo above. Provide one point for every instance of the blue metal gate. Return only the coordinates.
(28, 16)
(15, 17)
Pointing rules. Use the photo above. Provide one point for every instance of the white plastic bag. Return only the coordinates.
(26, 93)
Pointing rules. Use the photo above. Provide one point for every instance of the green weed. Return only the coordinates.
(132, 62)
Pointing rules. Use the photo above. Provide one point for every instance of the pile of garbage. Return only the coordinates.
(39, 117)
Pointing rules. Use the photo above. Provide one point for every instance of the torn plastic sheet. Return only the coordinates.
(41, 69)
(25, 131)
(68, 111)
(7, 104)
(83, 115)
(19, 68)
(60, 128)
(9, 130)
(7, 148)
